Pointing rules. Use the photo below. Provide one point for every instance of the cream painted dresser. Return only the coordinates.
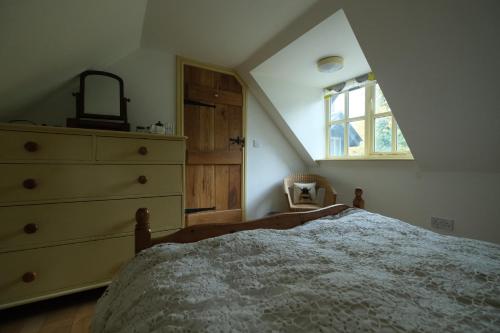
(68, 198)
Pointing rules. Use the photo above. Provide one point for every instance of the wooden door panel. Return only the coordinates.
(214, 165)
(197, 93)
(222, 187)
(191, 194)
(235, 125)
(221, 128)
(213, 186)
(215, 158)
(200, 189)
(234, 186)
(208, 95)
(200, 76)
(206, 125)
(222, 216)
(199, 124)
(191, 124)
(228, 83)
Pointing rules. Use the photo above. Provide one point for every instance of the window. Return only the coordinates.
(361, 125)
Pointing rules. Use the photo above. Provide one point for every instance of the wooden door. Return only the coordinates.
(213, 105)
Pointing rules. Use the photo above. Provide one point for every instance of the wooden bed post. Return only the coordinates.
(358, 201)
(142, 230)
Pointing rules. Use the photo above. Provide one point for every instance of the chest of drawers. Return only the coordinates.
(68, 199)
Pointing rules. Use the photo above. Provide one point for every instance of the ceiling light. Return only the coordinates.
(330, 64)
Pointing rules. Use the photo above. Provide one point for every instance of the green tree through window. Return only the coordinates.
(363, 116)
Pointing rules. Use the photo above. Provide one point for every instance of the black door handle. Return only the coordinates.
(238, 141)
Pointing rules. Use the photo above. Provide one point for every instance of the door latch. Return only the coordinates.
(238, 141)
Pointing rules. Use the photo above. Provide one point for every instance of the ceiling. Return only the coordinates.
(220, 32)
(436, 61)
(296, 62)
(44, 44)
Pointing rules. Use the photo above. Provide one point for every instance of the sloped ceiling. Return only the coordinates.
(296, 63)
(220, 32)
(437, 61)
(292, 83)
(44, 44)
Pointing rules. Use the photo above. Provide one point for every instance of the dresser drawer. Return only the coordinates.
(30, 183)
(38, 225)
(18, 146)
(61, 267)
(140, 150)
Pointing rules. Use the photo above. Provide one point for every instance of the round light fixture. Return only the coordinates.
(330, 64)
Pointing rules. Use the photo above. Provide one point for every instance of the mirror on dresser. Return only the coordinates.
(100, 102)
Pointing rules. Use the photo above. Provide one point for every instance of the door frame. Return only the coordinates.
(179, 130)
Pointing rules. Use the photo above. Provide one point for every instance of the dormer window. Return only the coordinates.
(362, 126)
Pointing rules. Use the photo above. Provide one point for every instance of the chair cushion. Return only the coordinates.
(304, 193)
(303, 207)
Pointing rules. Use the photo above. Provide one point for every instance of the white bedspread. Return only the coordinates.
(359, 272)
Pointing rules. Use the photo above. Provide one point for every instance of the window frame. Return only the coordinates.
(369, 118)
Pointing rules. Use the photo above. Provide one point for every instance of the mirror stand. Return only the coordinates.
(100, 102)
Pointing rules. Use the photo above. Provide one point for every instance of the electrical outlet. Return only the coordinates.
(442, 223)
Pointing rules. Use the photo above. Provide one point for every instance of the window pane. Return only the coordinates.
(401, 142)
(357, 103)
(380, 102)
(356, 136)
(383, 134)
(337, 140)
(337, 107)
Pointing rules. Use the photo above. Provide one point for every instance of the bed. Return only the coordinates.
(337, 269)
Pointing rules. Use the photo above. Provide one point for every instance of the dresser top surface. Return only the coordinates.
(84, 131)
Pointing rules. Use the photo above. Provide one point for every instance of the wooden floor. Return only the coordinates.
(71, 313)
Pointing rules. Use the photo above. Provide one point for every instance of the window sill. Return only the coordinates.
(370, 158)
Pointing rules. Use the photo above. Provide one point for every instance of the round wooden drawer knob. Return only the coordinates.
(31, 228)
(31, 146)
(29, 277)
(142, 179)
(143, 151)
(29, 183)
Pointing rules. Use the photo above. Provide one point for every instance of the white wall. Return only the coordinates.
(444, 54)
(149, 80)
(150, 83)
(400, 189)
(437, 62)
(51, 110)
(302, 107)
(268, 164)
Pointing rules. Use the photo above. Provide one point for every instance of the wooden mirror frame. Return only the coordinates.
(80, 97)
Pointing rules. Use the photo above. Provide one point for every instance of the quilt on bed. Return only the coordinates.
(356, 272)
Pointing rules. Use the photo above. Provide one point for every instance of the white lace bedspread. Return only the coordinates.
(359, 272)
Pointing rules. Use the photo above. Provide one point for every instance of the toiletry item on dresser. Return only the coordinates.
(169, 129)
(157, 128)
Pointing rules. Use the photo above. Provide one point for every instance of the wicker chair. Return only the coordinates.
(330, 193)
